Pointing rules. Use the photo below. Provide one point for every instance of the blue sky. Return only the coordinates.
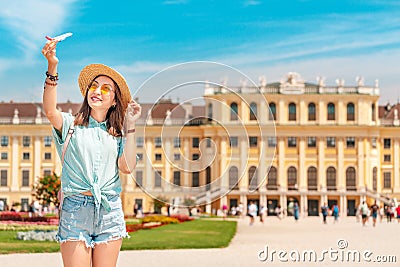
(333, 39)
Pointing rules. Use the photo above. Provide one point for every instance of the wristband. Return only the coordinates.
(131, 131)
(52, 77)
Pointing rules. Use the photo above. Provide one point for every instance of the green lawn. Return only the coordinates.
(193, 234)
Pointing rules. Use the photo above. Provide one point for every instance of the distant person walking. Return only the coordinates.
(398, 213)
(252, 212)
(364, 213)
(278, 212)
(374, 213)
(324, 211)
(296, 211)
(263, 213)
(335, 213)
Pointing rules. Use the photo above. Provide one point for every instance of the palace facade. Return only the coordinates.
(274, 144)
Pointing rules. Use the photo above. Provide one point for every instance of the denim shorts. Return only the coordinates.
(82, 220)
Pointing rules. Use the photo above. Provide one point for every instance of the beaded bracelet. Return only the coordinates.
(50, 84)
(52, 77)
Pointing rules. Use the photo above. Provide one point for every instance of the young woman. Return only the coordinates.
(92, 223)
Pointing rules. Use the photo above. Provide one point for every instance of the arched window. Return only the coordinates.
(331, 179)
(350, 112)
(351, 179)
(312, 112)
(272, 183)
(375, 179)
(331, 112)
(253, 111)
(253, 178)
(292, 112)
(233, 178)
(210, 112)
(272, 113)
(312, 181)
(292, 178)
(234, 111)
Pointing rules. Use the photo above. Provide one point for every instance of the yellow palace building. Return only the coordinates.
(275, 144)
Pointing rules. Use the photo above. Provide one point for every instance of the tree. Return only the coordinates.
(158, 203)
(46, 189)
(189, 203)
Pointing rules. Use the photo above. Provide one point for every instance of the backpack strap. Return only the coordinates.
(71, 130)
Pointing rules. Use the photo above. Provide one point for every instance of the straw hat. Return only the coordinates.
(91, 71)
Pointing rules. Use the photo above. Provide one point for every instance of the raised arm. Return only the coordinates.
(50, 85)
(127, 161)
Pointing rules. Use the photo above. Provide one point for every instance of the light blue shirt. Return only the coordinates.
(90, 162)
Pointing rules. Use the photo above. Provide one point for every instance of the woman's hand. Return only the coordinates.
(49, 52)
(133, 113)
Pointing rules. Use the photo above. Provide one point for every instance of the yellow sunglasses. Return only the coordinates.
(105, 89)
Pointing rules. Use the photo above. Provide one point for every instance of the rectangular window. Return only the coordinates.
(292, 142)
(331, 142)
(195, 142)
(177, 142)
(139, 178)
(157, 142)
(46, 172)
(47, 141)
(47, 156)
(139, 141)
(25, 178)
(4, 141)
(312, 141)
(4, 178)
(157, 179)
(387, 180)
(158, 157)
(233, 141)
(386, 158)
(350, 142)
(271, 141)
(196, 179)
(26, 141)
(25, 156)
(177, 177)
(4, 155)
(253, 141)
(177, 156)
(386, 143)
(195, 156)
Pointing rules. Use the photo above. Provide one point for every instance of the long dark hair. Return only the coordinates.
(115, 114)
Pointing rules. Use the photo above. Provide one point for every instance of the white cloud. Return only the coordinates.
(30, 21)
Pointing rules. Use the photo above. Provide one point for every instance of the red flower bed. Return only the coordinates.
(24, 217)
(10, 216)
(136, 227)
(182, 217)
